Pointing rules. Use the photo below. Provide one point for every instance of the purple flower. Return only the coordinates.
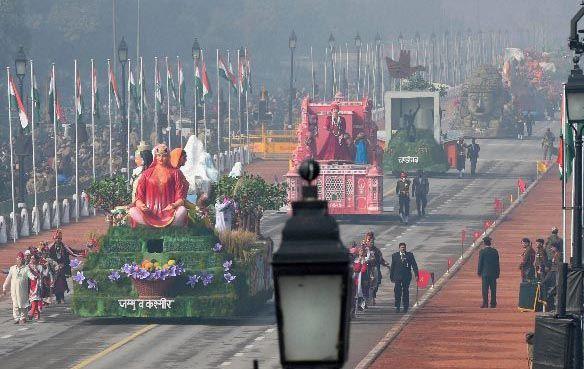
(143, 274)
(79, 277)
(127, 269)
(229, 277)
(207, 279)
(217, 247)
(193, 280)
(114, 276)
(227, 265)
(91, 284)
(74, 263)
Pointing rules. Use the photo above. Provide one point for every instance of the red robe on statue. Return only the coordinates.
(335, 146)
(158, 187)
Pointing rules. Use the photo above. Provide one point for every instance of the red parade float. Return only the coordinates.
(345, 145)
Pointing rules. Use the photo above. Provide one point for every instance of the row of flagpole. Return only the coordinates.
(54, 106)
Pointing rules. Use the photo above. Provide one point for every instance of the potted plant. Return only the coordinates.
(151, 279)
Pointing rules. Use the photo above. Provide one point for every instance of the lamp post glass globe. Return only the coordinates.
(575, 97)
(196, 49)
(358, 41)
(123, 51)
(331, 41)
(20, 63)
(292, 40)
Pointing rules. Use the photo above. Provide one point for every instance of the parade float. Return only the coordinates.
(162, 258)
(343, 138)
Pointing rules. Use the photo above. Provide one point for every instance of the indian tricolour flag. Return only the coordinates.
(225, 72)
(114, 87)
(95, 93)
(181, 84)
(17, 101)
(159, 98)
(203, 87)
(134, 93)
(36, 97)
(54, 101)
(170, 81)
(79, 99)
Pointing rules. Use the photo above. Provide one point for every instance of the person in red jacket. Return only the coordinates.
(361, 278)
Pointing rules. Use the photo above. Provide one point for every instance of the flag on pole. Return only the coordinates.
(78, 98)
(54, 100)
(95, 93)
(17, 101)
(159, 96)
(521, 185)
(114, 88)
(181, 84)
(142, 93)
(568, 141)
(36, 97)
(170, 81)
(203, 87)
(243, 84)
(227, 74)
(134, 93)
(560, 159)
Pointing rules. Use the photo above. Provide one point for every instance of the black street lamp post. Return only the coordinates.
(313, 265)
(574, 91)
(332, 44)
(358, 46)
(196, 51)
(22, 147)
(123, 59)
(292, 46)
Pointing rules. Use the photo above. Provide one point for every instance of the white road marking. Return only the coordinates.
(226, 363)
(260, 338)
(22, 329)
(270, 330)
(7, 336)
(248, 347)
(239, 354)
(53, 315)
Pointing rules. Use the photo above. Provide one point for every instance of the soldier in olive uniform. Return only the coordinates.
(402, 189)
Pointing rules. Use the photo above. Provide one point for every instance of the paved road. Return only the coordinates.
(63, 340)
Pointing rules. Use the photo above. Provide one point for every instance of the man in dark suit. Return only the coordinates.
(473, 154)
(402, 265)
(489, 270)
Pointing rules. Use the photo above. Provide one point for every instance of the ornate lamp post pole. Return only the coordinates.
(23, 144)
(292, 46)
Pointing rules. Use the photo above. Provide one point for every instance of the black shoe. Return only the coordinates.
(493, 306)
(484, 306)
(397, 309)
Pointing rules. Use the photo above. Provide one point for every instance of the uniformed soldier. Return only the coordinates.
(420, 189)
(402, 189)
(402, 265)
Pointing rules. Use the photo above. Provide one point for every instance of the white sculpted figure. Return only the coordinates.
(199, 169)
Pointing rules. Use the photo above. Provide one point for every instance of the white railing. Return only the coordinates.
(55, 214)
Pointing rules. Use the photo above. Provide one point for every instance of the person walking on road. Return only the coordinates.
(527, 261)
(420, 189)
(460, 156)
(402, 189)
(547, 144)
(473, 155)
(402, 265)
(489, 270)
(18, 279)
